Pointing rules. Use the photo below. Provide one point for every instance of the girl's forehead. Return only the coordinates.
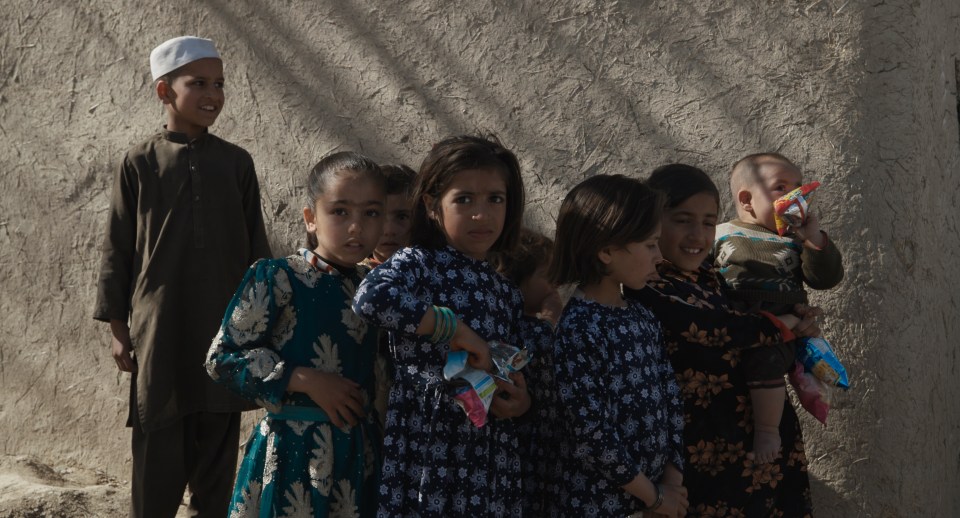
(486, 179)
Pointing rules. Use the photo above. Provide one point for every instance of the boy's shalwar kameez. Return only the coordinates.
(184, 224)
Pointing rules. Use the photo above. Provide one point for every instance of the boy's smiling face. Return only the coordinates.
(775, 178)
(194, 97)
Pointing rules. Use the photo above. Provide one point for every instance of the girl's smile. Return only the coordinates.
(688, 230)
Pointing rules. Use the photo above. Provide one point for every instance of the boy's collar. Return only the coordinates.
(182, 138)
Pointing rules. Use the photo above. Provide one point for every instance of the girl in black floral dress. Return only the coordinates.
(620, 413)
(707, 343)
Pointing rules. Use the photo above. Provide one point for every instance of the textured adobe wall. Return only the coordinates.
(864, 97)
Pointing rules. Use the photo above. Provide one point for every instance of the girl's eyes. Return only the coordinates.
(462, 199)
(496, 198)
(339, 212)
(402, 217)
(373, 213)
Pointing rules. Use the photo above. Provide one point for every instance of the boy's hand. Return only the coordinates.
(121, 346)
(519, 399)
(339, 397)
(810, 233)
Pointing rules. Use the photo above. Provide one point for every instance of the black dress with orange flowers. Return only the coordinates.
(707, 341)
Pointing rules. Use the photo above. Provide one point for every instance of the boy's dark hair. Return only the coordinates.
(533, 250)
(746, 170)
(449, 157)
(400, 178)
(334, 166)
(602, 211)
(681, 181)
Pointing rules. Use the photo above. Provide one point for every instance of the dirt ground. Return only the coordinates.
(862, 94)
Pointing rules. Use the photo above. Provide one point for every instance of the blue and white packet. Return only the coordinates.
(819, 359)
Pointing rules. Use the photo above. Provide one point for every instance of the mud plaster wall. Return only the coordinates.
(863, 96)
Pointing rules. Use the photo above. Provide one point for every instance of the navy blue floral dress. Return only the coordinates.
(537, 431)
(436, 462)
(621, 407)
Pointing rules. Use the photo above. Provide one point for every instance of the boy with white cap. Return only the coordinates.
(184, 225)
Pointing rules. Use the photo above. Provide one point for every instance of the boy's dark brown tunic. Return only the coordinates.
(184, 224)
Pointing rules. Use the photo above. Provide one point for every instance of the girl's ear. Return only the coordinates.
(604, 255)
(309, 219)
(429, 206)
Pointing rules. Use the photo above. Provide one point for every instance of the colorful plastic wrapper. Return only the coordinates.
(814, 394)
(790, 210)
(819, 359)
(474, 389)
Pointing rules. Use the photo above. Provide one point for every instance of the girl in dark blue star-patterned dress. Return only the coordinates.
(441, 295)
(621, 422)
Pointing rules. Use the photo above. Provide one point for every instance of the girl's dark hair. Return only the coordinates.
(400, 178)
(332, 167)
(600, 212)
(533, 250)
(449, 157)
(681, 181)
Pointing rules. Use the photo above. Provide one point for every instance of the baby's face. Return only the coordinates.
(775, 178)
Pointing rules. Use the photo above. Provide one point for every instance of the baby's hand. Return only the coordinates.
(810, 231)
(807, 325)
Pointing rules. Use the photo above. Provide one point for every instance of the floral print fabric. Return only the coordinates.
(620, 407)
(287, 313)
(706, 340)
(436, 462)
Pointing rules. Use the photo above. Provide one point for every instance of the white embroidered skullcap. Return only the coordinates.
(173, 54)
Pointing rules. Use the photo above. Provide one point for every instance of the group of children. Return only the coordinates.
(344, 342)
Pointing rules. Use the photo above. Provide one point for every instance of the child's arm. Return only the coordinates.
(389, 297)
(121, 347)
(821, 262)
(253, 213)
(119, 266)
(339, 397)
(244, 355)
(672, 499)
(464, 339)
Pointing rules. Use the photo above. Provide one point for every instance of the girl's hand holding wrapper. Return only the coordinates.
(817, 368)
(474, 389)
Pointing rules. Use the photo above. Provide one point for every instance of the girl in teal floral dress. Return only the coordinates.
(290, 342)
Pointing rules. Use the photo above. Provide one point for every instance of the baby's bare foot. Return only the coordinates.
(766, 444)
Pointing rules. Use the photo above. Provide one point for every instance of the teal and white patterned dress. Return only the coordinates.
(292, 312)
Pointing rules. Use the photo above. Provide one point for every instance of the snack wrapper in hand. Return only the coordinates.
(814, 394)
(790, 210)
(818, 358)
(474, 389)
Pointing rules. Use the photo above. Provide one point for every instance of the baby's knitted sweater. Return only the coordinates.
(763, 267)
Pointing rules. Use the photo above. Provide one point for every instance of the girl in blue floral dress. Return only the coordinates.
(441, 295)
(620, 447)
(290, 342)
